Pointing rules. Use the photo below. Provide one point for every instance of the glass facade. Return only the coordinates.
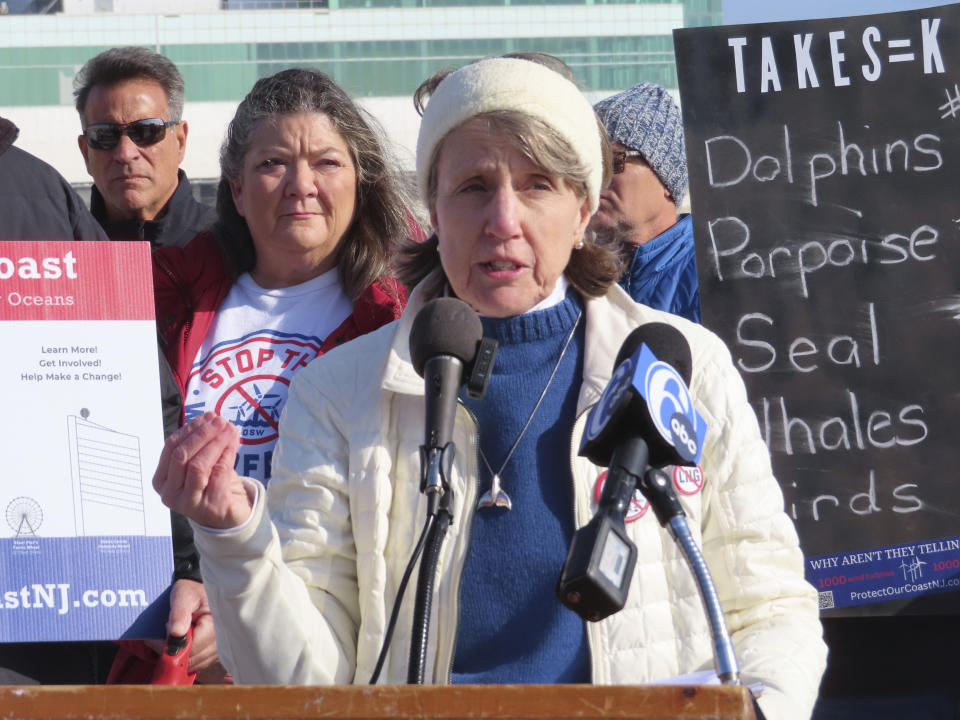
(702, 13)
(224, 71)
(379, 51)
(32, 76)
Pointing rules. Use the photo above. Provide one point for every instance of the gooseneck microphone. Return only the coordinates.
(444, 341)
(644, 417)
(644, 420)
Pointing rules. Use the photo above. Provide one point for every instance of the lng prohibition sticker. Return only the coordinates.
(638, 503)
(688, 480)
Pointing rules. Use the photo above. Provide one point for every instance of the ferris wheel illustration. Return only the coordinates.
(24, 516)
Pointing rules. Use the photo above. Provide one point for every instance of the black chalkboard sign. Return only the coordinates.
(824, 179)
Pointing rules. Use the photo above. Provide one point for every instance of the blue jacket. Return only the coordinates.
(663, 272)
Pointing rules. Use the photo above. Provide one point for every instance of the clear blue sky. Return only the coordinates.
(736, 12)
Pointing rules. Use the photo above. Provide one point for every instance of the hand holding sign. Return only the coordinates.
(195, 475)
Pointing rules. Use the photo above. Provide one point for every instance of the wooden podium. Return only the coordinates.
(366, 702)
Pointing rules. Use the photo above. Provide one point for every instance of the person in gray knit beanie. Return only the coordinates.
(638, 210)
(645, 118)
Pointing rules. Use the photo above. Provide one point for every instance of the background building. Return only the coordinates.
(378, 50)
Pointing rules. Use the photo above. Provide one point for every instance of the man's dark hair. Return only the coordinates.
(130, 63)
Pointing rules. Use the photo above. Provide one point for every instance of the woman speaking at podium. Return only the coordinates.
(302, 576)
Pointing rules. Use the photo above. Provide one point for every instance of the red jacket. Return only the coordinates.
(190, 283)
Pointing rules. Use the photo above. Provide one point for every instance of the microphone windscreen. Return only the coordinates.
(665, 341)
(444, 326)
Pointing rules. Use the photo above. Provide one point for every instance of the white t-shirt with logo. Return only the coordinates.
(257, 341)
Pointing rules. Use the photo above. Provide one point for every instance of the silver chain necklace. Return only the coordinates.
(496, 496)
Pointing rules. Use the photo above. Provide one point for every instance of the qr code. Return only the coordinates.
(826, 600)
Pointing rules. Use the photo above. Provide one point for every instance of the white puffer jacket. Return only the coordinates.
(303, 596)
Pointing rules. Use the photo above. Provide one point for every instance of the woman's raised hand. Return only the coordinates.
(195, 475)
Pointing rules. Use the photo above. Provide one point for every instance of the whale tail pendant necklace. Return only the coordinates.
(496, 496)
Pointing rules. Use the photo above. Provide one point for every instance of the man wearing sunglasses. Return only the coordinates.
(133, 139)
(130, 102)
(150, 202)
(640, 208)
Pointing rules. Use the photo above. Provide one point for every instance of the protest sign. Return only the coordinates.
(824, 157)
(86, 550)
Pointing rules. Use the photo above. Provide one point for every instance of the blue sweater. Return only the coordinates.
(663, 272)
(512, 628)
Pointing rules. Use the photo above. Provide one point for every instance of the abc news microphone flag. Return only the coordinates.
(85, 550)
(824, 160)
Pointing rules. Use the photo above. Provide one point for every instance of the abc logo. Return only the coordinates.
(681, 430)
(671, 408)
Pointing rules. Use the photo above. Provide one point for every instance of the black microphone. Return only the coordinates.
(443, 344)
(644, 418)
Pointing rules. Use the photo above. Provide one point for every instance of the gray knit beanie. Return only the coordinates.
(647, 119)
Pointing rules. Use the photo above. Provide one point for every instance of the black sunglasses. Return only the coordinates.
(620, 159)
(146, 132)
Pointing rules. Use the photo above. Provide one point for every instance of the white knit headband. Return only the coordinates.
(512, 84)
